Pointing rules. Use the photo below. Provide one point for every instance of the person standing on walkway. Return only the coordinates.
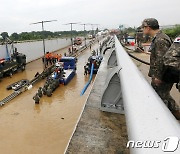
(90, 46)
(159, 46)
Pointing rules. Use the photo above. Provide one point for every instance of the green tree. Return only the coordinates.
(14, 36)
(173, 32)
(4, 34)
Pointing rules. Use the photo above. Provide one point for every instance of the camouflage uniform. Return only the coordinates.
(139, 38)
(172, 63)
(159, 46)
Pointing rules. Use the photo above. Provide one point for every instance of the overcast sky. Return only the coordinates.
(16, 15)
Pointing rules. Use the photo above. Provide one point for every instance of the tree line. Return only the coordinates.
(173, 32)
(38, 35)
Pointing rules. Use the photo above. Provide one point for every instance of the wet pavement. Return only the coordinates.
(46, 128)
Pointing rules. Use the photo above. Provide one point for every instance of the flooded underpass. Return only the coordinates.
(45, 128)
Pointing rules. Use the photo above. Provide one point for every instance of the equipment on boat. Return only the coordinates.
(64, 71)
(24, 85)
(96, 60)
(18, 85)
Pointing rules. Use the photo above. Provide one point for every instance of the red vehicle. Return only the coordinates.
(78, 41)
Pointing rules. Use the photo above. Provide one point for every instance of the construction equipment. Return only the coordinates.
(24, 85)
(63, 73)
(13, 62)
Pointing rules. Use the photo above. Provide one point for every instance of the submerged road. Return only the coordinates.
(26, 128)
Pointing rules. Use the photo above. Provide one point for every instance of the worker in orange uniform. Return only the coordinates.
(53, 58)
(50, 58)
(59, 58)
(56, 57)
(47, 58)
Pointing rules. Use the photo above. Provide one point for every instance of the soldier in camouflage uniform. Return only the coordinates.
(139, 37)
(172, 63)
(159, 46)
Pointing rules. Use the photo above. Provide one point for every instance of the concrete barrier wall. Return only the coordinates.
(34, 50)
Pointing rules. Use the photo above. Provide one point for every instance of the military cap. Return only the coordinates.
(150, 22)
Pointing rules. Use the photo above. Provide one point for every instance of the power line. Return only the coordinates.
(72, 23)
(84, 32)
(42, 24)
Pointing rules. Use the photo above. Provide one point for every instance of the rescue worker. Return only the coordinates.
(90, 46)
(93, 53)
(59, 58)
(53, 57)
(97, 52)
(126, 38)
(69, 50)
(40, 93)
(15, 52)
(49, 91)
(159, 46)
(50, 58)
(139, 37)
(47, 58)
(36, 98)
(86, 69)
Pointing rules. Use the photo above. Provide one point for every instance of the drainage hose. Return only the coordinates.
(89, 81)
(140, 60)
(134, 57)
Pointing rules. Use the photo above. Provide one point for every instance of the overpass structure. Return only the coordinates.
(121, 88)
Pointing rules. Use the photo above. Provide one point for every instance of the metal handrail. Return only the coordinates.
(147, 117)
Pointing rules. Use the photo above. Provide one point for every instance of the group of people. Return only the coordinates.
(52, 58)
(91, 60)
(38, 95)
(73, 49)
(160, 45)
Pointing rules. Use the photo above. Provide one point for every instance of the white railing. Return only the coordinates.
(147, 117)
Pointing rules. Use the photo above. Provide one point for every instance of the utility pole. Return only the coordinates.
(42, 24)
(84, 32)
(92, 29)
(72, 23)
(92, 26)
(97, 26)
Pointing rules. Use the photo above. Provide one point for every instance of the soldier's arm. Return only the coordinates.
(162, 47)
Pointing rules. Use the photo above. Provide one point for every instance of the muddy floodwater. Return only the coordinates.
(26, 128)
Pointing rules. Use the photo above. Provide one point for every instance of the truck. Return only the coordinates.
(13, 62)
(78, 41)
(9, 66)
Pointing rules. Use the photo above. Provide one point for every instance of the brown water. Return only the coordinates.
(26, 128)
